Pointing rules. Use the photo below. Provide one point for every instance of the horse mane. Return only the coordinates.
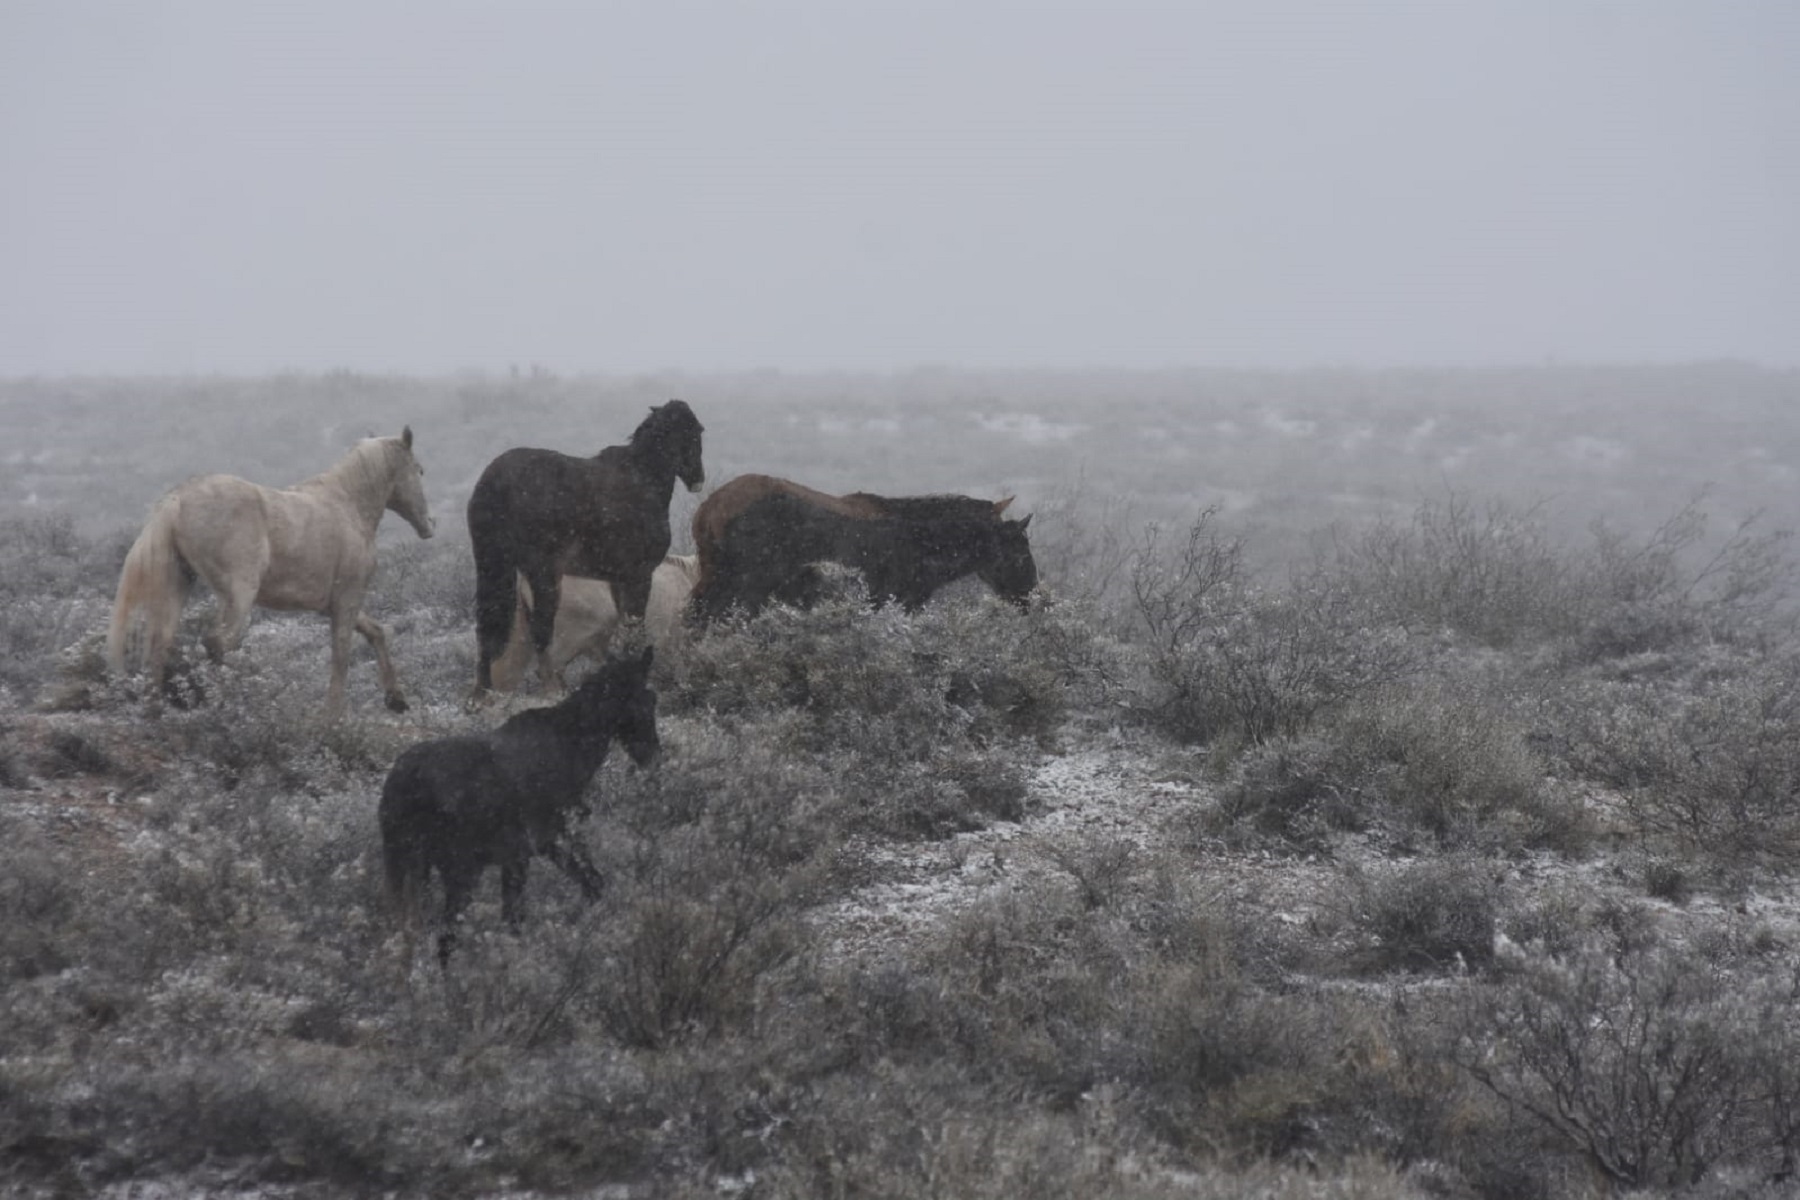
(664, 419)
(932, 508)
(367, 467)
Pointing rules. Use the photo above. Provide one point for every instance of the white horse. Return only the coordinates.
(586, 619)
(310, 547)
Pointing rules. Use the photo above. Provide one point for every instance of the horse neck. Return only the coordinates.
(967, 548)
(655, 459)
(589, 734)
(364, 478)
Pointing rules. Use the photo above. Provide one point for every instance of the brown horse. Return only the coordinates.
(541, 515)
(757, 533)
(309, 547)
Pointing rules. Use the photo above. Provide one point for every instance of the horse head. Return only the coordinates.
(1011, 572)
(672, 434)
(621, 696)
(407, 492)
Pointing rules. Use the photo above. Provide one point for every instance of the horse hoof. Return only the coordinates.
(396, 702)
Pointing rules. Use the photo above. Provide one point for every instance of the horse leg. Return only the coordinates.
(237, 596)
(377, 635)
(343, 627)
(496, 602)
(631, 599)
(459, 888)
(546, 598)
(573, 858)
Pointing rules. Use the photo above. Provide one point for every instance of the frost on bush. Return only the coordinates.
(1230, 657)
(1715, 764)
(1435, 761)
(1658, 1069)
(1492, 573)
(922, 718)
(1435, 916)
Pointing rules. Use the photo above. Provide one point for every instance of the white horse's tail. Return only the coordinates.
(155, 580)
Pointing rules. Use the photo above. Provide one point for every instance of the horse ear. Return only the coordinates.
(1026, 523)
(1000, 506)
(406, 437)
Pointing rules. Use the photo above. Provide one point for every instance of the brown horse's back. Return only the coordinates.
(735, 496)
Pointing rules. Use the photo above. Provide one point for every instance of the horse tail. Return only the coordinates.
(404, 865)
(155, 580)
(496, 584)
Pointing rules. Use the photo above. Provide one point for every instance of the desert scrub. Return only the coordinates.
(55, 587)
(1659, 1067)
(1438, 762)
(1675, 586)
(925, 720)
(713, 859)
(1435, 916)
(1230, 657)
(1710, 762)
(1492, 573)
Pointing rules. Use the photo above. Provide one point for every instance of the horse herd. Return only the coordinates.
(565, 548)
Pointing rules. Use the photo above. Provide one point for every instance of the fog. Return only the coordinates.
(215, 186)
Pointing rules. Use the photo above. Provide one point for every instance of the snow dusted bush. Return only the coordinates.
(1229, 657)
(1710, 761)
(1659, 1069)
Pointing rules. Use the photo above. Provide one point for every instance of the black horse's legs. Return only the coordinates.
(632, 596)
(459, 887)
(546, 598)
(496, 599)
(572, 857)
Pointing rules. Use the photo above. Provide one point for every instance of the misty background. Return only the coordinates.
(218, 187)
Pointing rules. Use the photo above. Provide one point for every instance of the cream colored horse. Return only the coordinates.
(587, 618)
(310, 547)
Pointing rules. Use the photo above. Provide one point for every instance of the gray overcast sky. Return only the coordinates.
(233, 186)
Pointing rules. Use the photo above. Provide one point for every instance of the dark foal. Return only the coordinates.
(458, 805)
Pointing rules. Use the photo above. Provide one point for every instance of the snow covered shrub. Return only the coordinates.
(1658, 1067)
(711, 860)
(1288, 790)
(1494, 574)
(1712, 762)
(1670, 587)
(1436, 761)
(1438, 915)
(39, 900)
(920, 716)
(1229, 657)
(55, 587)
(1446, 761)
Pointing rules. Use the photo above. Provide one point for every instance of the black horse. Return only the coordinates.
(545, 514)
(458, 805)
(766, 548)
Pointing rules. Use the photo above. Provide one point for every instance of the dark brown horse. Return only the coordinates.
(757, 535)
(543, 515)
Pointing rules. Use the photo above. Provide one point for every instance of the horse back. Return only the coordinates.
(586, 516)
(734, 497)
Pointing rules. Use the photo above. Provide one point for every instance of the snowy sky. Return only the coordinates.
(226, 185)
